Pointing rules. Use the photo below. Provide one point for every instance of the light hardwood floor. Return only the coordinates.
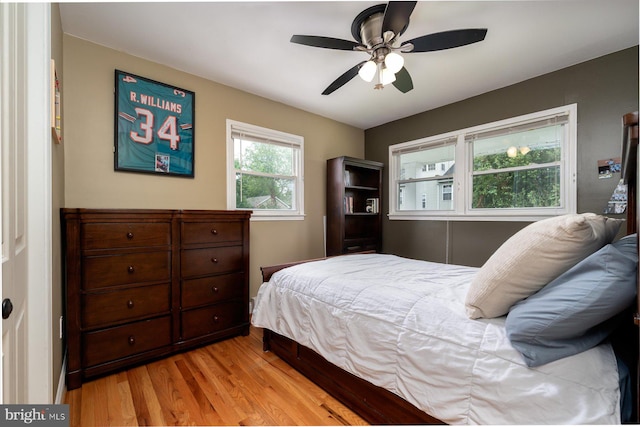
(232, 382)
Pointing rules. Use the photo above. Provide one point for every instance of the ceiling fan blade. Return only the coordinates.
(396, 16)
(324, 42)
(447, 39)
(343, 79)
(403, 81)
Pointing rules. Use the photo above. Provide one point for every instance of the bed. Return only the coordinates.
(404, 341)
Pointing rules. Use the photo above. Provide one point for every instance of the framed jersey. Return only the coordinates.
(154, 126)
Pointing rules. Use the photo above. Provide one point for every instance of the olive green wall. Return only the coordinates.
(90, 181)
(604, 89)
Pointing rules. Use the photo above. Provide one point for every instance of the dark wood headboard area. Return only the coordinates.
(630, 167)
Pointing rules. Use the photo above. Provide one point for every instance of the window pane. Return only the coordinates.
(529, 185)
(263, 157)
(536, 146)
(260, 192)
(426, 163)
(518, 189)
(426, 195)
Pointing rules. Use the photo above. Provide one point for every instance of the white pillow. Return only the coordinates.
(533, 257)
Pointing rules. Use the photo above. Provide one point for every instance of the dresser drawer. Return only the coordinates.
(204, 321)
(125, 235)
(107, 308)
(211, 232)
(209, 290)
(122, 341)
(200, 262)
(103, 271)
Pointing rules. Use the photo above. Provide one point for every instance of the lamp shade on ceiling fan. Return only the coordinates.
(368, 71)
(394, 62)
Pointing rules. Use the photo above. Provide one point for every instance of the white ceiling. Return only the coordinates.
(246, 45)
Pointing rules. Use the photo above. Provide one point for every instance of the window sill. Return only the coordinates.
(479, 218)
(257, 216)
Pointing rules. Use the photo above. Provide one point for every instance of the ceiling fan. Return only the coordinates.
(377, 31)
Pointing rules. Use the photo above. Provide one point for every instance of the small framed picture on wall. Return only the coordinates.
(154, 126)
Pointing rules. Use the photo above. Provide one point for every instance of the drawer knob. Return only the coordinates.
(131, 269)
(129, 235)
(130, 303)
(215, 289)
(132, 340)
(214, 260)
(214, 231)
(216, 319)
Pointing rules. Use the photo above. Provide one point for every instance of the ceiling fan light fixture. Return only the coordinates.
(368, 71)
(394, 62)
(387, 76)
(376, 31)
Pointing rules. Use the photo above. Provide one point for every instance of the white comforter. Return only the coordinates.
(401, 325)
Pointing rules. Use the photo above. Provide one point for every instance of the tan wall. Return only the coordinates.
(90, 181)
(57, 201)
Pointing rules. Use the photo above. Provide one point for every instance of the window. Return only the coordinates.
(521, 168)
(419, 179)
(264, 171)
(446, 192)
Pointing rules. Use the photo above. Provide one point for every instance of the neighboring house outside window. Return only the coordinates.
(521, 168)
(265, 171)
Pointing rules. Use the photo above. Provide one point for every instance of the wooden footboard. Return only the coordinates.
(374, 404)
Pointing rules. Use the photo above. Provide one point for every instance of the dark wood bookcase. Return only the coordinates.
(354, 205)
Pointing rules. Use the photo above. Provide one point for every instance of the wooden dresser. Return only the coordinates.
(142, 284)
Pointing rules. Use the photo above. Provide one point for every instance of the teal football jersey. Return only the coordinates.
(155, 126)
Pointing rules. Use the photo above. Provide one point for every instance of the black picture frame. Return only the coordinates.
(154, 128)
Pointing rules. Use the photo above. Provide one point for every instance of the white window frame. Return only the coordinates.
(462, 176)
(279, 137)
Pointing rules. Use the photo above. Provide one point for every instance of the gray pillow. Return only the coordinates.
(577, 310)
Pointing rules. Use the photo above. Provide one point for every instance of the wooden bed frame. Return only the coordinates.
(373, 403)
(379, 406)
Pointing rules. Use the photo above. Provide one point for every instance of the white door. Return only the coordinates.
(24, 107)
(14, 248)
